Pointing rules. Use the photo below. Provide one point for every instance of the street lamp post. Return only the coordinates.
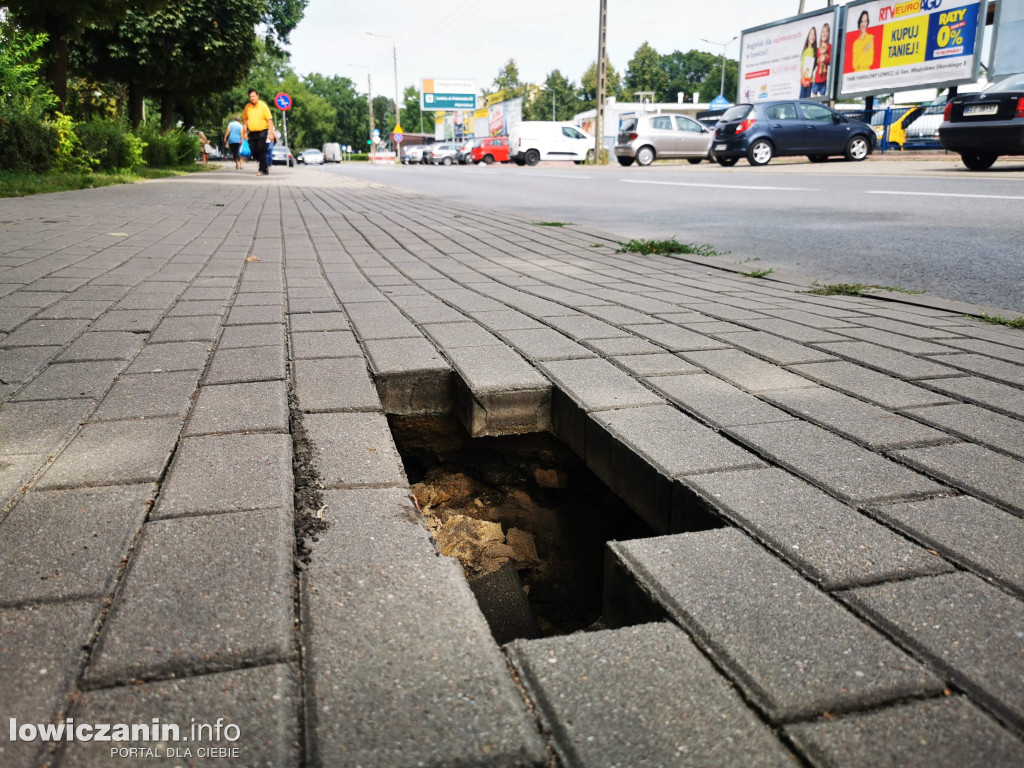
(721, 89)
(394, 53)
(369, 104)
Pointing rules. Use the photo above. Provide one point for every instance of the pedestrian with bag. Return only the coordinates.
(258, 128)
(233, 138)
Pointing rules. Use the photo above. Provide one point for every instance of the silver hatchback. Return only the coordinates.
(646, 137)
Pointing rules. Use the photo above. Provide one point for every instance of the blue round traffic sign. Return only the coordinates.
(283, 101)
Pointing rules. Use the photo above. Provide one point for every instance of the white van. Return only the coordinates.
(332, 153)
(534, 140)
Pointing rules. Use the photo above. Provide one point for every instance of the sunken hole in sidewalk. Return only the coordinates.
(525, 518)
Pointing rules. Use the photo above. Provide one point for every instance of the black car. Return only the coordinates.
(765, 130)
(983, 126)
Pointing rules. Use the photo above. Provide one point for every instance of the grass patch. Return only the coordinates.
(667, 247)
(552, 223)
(1017, 322)
(758, 272)
(17, 184)
(855, 289)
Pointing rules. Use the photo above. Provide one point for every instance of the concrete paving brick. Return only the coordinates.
(794, 651)
(970, 532)
(878, 388)
(977, 424)
(907, 329)
(19, 365)
(853, 474)
(97, 527)
(889, 360)
(456, 335)
(987, 348)
(906, 344)
(39, 427)
(991, 394)
(807, 318)
(990, 368)
(380, 320)
(69, 309)
(261, 315)
(596, 385)
(721, 311)
(260, 406)
(319, 345)
(410, 375)
(392, 629)
(147, 395)
(167, 622)
(772, 348)
(310, 304)
(15, 472)
(243, 336)
(175, 356)
(716, 402)
(204, 328)
(228, 473)
(200, 293)
(988, 475)
(262, 702)
(584, 328)
(72, 380)
(661, 364)
(674, 338)
(90, 346)
(824, 539)
(1010, 337)
(545, 344)
(114, 453)
(354, 449)
(198, 308)
(638, 452)
(966, 628)
(746, 371)
(617, 315)
(866, 424)
(624, 345)
(921, 734)
(802, 334)
(340, 384)
(41, 650)
(41, 333)
(133, 321)
(234, 366)
(669, 706)
(12, 317)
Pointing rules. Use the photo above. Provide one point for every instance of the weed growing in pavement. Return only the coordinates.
(1017, 322)
(21, 183)
(667, 247)
(553, 223)
(855, 289)
(747, 261)
(758, 272)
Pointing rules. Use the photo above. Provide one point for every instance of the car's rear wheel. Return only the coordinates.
(520, 161)
(727, 162)
(645, 156)
(694, 160)
(488, 159)
(856, 149)
(532, 157)
(625, 162)
(446, 161)
(817, 158)
(760, 152)
(978, 161)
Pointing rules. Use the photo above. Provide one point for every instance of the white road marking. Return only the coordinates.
(717, 186)
(941, 194)
(560, 176)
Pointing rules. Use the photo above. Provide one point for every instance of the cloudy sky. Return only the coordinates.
(472, 39)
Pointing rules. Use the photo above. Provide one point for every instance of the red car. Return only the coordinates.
(490, 150)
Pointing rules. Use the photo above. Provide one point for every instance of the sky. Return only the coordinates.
(473, 39)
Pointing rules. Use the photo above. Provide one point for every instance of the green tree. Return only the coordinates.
(558, 95)
(712, 83)
(686, 72)
(413, 119)
(311, 119)
(351, 113)
(507, 81)
(20, 86)
(645, 72)
(588, 86)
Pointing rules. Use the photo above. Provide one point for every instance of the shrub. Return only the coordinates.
(28, 143)
(110, 145)
(71, 156)
(168, 150)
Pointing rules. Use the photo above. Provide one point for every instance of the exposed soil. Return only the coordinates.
(309, 503)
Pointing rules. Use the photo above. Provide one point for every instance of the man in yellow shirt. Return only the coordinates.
(258, 127)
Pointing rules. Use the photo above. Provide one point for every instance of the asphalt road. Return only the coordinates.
(921, 224)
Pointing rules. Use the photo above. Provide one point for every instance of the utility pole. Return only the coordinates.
(602, 80)
(369, 104)
(394, 53)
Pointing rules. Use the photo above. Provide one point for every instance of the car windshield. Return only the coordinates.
(627, 124)
(738, 112)
(1013, 83)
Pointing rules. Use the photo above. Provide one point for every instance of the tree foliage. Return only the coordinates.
(558, 95)
(588, 85)
(508, 82)
(645, 72)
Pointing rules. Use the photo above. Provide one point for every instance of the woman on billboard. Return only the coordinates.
(808, 61)
(864, 45)
(820, 86)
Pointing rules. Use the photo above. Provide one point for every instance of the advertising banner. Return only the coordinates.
(789, 59)
(890, 46)
(504, 116)
(1008, 31)
(447, 95)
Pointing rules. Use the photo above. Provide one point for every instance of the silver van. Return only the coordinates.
(332, 153)
(643, 138)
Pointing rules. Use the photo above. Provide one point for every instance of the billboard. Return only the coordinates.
(789, 59)
(1007, 52)
(448, 95)
(890, 46)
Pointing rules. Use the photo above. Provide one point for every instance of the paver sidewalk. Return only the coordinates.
(190, 367)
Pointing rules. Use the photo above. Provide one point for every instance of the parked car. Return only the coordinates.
(332, 152)
(442, 154)
(534, 140)
(984, 126)
(462, 157)
(283, 156)
(770, 129)
(413, 155)
(310, 157)
(491, 150)
(643, 138)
